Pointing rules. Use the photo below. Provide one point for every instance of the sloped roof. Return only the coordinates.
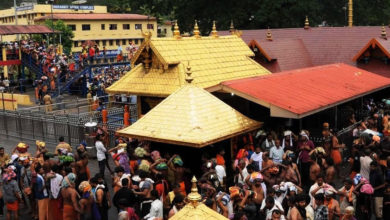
(287, 53)
(94, 16)
(192, 117)
(213, 60)
(382, 44)
(200, 212)
(325, 45)
(302, 92)
(25, 29)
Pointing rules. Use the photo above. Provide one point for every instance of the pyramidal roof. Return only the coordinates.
(192, 117)
(199, 212)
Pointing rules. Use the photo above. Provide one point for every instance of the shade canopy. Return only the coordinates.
(191, 117)
(25, 29)
(303, 92)
(158, 66)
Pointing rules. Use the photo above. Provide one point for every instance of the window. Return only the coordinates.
(136, 41)
(124, 42)
(165, 30)
(86, 27)
(126, 26)
(117, 42)
(97, 42)
(75, 44)
(19, 16)
(103, 26)
(42, 14)
(138, 26)
(24, 16)
(72, 27)
(113, 26)
(111, 42)
(104, 42)
(150, 26)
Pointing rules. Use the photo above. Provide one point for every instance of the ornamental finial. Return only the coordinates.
(196, 30)
(189, 78)
(194, 197)
(269, 35)
(231, 29)
(176, 31)
(307, 24)
(383, 33)
(214, 31)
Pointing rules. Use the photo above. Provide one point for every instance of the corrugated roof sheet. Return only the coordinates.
(94, 16)
(24, 29)
(325, 45)
(213, 60)
(305, 91)
(192, 117)
(200, 212)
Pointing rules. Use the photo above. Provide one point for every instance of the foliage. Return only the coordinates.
(66, 34)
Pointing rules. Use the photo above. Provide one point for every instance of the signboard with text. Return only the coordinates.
(25, 8)
(74, 7)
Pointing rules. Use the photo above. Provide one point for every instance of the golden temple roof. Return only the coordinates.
(157, 67)
(192, 117)
(200, 212)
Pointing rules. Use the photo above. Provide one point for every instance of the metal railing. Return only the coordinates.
(67, 119)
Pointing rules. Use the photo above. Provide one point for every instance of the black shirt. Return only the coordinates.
(124, 193)
(377, 179)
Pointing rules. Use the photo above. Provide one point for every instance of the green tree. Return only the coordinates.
(65, 32)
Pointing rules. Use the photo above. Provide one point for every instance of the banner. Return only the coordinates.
(25, 8)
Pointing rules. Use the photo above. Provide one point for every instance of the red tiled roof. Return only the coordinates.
(325, 45)
(382, 44)
(24, 29)
(95, 16)
(287, 53)
(302, 92)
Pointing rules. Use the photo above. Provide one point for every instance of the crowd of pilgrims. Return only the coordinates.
(273, 175)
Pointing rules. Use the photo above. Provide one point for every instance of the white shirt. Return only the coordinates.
(276, 153)
(365, 167)
(322, 190)
(244, 173)
(6, 82)
(221, 173)
(269, 211)
(55, 185)
(100, 151)
(156, 210)
(258, 158)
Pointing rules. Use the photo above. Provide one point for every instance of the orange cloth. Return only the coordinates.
(14, 206)
(349, 194)
(183, 189)
(69, 213)
(43, 209)
(55, 211)
(220, 160)
(336, 156)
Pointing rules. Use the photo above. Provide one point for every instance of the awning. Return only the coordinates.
(191, 117)
(302, 92)
(25, 29)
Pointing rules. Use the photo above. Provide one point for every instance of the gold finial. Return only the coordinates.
(176, 31)
(189, 78)
(307, 25)
(214, 31)
(269, 35)
(194, 197)
(383, 33)
(350, 13)
(231, 29)
(196, 30)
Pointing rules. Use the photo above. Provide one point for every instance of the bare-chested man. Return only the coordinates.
(292, 172)
(81, 170)
(330, 172)
(333, 205)
(70, 196)
(298, 212)
(258, 189)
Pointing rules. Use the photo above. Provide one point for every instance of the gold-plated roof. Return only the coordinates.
(192, 117)
(213, 60)
(200, 212)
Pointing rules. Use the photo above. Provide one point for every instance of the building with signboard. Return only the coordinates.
(89, 23)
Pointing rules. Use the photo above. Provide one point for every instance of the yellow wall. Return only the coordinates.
(167, 28)
(95, 32)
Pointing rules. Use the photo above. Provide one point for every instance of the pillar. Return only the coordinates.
(350, 13)
(4, 53)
